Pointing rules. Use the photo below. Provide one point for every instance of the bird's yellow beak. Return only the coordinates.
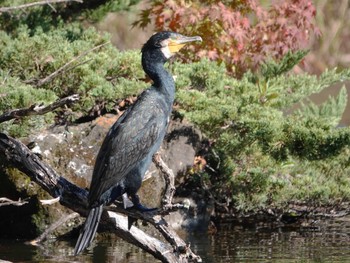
(176, 44)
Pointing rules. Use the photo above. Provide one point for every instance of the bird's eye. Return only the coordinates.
(162, 43)
(158, 44)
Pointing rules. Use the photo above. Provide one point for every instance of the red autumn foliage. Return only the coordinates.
(242, 34)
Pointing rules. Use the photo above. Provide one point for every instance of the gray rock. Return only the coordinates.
(71, 151)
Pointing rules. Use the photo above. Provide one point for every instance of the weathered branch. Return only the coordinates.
(75, 198)
(169, 181)
(18, 155)
(49, 230)
(37, 109)
(45, 2)
(65, 66)
(6, 201)
(178, 246)
(134, 235)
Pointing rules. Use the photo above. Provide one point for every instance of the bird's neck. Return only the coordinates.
(162, 79)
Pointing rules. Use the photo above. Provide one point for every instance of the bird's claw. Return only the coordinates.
(140, 208)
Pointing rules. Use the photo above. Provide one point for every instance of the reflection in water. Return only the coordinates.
(116, 251)
(324, 241)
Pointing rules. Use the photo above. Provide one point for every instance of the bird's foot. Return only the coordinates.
(138, 206)
(143, 208)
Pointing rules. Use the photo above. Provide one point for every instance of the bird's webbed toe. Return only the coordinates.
(137, 205)
(143, 208)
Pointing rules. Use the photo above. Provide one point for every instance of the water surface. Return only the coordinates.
(321, 241)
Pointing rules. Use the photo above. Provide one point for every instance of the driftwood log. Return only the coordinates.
(174, 249)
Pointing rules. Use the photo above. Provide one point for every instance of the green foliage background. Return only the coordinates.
(262, 156)
(265, 157)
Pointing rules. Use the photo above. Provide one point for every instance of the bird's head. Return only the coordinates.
(168, 43)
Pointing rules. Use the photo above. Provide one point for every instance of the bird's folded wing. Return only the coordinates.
(129, 141)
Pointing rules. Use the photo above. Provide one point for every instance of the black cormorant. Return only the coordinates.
(127, 150)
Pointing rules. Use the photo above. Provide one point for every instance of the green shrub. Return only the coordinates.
(103, 76)
(265, 155)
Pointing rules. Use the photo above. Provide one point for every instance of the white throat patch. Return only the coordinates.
(166, 51)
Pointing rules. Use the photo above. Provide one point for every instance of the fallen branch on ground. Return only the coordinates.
(174, 250)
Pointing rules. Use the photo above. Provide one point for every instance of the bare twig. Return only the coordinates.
(45, 2)
(6, 201)
(169, 181)
(212, 196)
(37, 109)
(55, 225)
(65, 66)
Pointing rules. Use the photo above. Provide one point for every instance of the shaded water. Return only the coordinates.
(323, 241)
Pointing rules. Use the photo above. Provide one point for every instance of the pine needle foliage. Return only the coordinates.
(330, 111)
(49, 15)
(265, 157)
(272, 68)
(102, 77)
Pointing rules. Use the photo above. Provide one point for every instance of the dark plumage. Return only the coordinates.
(127, 150)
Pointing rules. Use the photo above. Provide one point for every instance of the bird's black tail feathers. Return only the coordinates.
(88, 232)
